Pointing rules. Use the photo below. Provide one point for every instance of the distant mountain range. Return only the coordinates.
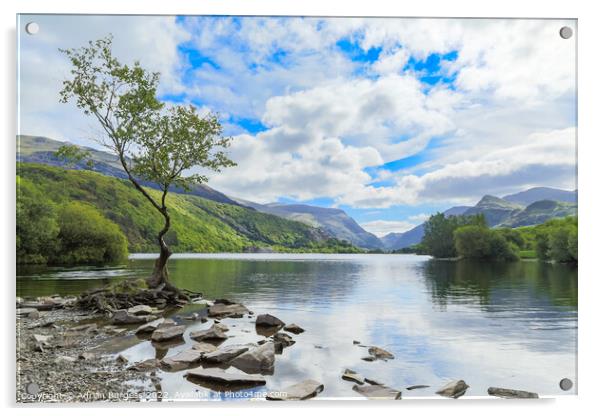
(516, 210)
(529, 207)
(334, 221)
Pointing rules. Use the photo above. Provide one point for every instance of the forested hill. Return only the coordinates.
(198, 224)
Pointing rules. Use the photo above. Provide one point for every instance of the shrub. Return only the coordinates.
(37, 226)
(479, 242)
(86, 236)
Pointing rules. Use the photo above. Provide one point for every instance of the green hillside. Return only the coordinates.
(198, 224)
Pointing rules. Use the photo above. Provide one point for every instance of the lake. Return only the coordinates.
(508, 325)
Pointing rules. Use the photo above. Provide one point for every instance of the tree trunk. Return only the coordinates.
(160, 274)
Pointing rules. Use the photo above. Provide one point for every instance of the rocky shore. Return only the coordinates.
(65, 354)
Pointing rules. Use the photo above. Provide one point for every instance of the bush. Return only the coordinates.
(37, 226)
(557, 240)
(438, 239)
(87, 237)
(479, 242)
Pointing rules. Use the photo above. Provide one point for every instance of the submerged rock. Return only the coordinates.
(378, 392)
(380, 353)
(300, 391)
(225, 354)
(168, 332)
(511, 394)
(351, 375)
(213, 333)
(259, 359)
(217, 375)
(453, 389)
(268, 320)
(293, 328)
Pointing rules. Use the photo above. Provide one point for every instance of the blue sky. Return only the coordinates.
(389, 119)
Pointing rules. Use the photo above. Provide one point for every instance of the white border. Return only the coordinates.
(590, 203)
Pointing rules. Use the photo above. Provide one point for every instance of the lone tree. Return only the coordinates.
(153, 142)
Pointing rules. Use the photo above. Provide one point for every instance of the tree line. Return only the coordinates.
(470, 237)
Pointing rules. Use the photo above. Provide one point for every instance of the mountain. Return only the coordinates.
(539, 212)
(334, 221)
(541, 194)
(36, 149)
(198, 224)
(496, 210)
(394, 241)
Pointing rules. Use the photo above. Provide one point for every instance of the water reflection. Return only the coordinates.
(508, 325)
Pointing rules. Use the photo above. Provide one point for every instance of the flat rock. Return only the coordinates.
(43, 340)
(63, 359)
(168, 332)
(122, 317)
(259, 359)
(453, 389)
(182, 359)
(511, 394)
(213, 333)
(369, 358)
(217, 375)
(86, 356)
(380, 354)
(140, 310)
(146, 365)
(221, 327)
(268, 320)
(150, 326)
(378, 392)
(224, 311)
(300, 391)
(25, 311)
(204, 347)
(293, 328)
(225, 354)
(351, 375)
(417, 386)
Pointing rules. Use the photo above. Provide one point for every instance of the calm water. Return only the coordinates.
(504, 325)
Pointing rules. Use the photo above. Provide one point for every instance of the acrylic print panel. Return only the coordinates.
(250, 208)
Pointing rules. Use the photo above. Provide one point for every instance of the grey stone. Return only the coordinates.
(86, 356)
(182, 359)
(121, 359)
(379, 353)
(224, 311)
(351, 375)
(42, 339)
(146, 365)
(225, 354)
(25, 311)
(256, 360)
(140, 310)
(63, 359)
(369, 358)
(453, 389)
(211, 333)
(168, 332)
(122, 317)
(378, 392)
(511, 394)
(151, 326)
(204, 347)
(268, 320)
(284, 339)
(217, 375)
(300, 391)
(293, 328)
(417, 386)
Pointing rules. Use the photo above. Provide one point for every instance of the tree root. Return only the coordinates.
(109, 299)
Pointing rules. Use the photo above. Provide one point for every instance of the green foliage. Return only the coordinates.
(72, 155)
(37, 228)
(555, 240)
(438, 239)
(478, 242)
(86, 236)
(199, 225)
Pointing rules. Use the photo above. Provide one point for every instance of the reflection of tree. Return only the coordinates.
(491, 284)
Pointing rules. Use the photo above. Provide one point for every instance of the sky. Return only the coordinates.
(389, 119)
